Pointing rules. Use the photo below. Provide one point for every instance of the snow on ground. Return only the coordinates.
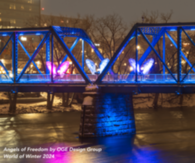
(145, 101)
(141, 101)
(40, 107)
(91, 87)
(3, 96)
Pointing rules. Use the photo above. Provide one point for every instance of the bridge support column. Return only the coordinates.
(13, 102)
(50, 98)
(106, 114)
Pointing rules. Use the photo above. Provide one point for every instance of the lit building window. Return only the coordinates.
(13, 21)
(29, 1)
(22, 7)
(12, 6)
(0, 19)
(62, 21)
(30, 9)
(67, 21)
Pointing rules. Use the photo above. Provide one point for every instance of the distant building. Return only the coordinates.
(49, 20)
(23, 14)
(13, 13)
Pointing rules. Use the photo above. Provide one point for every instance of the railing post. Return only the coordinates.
(179, 42)
(164, 52)
(51, 39)
(136, 54)
(48, 57)
(83, 54)
(15, 56)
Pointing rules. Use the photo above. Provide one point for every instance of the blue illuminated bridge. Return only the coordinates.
(169, 45)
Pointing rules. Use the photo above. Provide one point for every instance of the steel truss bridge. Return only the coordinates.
(108, 81)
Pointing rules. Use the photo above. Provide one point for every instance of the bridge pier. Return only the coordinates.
(106, 114)
(50, 98)
(13, 102)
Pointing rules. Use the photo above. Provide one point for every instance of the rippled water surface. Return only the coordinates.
(164, 135)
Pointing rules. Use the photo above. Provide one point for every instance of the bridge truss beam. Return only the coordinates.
(159, 32)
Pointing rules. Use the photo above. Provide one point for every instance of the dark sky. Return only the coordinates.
(129, 10)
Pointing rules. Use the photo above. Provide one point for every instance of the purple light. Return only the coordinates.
(61, 70)
(49, 66)
(145, 68)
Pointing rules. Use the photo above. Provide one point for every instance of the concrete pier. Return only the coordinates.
(106, 114)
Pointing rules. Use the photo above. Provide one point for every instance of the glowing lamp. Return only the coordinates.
(11, 75)
(23, 38)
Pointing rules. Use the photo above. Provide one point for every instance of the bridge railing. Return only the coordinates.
(77, 78)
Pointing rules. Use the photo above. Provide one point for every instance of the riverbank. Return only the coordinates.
(141, 101)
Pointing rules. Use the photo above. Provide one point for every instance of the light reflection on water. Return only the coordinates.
(114, 149)
(166, 135)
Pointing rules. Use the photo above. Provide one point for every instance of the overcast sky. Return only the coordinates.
(129, 10)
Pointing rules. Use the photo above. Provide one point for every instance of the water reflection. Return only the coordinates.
(114, 149)
(162, 136)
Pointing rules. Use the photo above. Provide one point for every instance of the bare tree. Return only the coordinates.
(110, 31)
(59, 53)
(154, 17)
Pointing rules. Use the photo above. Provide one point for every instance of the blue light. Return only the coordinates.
(103, 64)
(91, 66)
(172, 30)
(37, 34)
(133, 64)
(145, 68)
(192, 29)
(148, 65)
(4, 34)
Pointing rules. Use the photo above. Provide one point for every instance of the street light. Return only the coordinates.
(38, 64)
(138, 47)
(183, 62)
(11, 75)
(23, 38)
(3, 61)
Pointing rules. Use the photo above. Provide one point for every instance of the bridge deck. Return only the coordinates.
(123, 79)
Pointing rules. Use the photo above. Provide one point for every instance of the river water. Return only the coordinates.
(162, 135)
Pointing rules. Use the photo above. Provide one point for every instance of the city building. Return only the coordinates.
(24, 14)
(13, 13)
